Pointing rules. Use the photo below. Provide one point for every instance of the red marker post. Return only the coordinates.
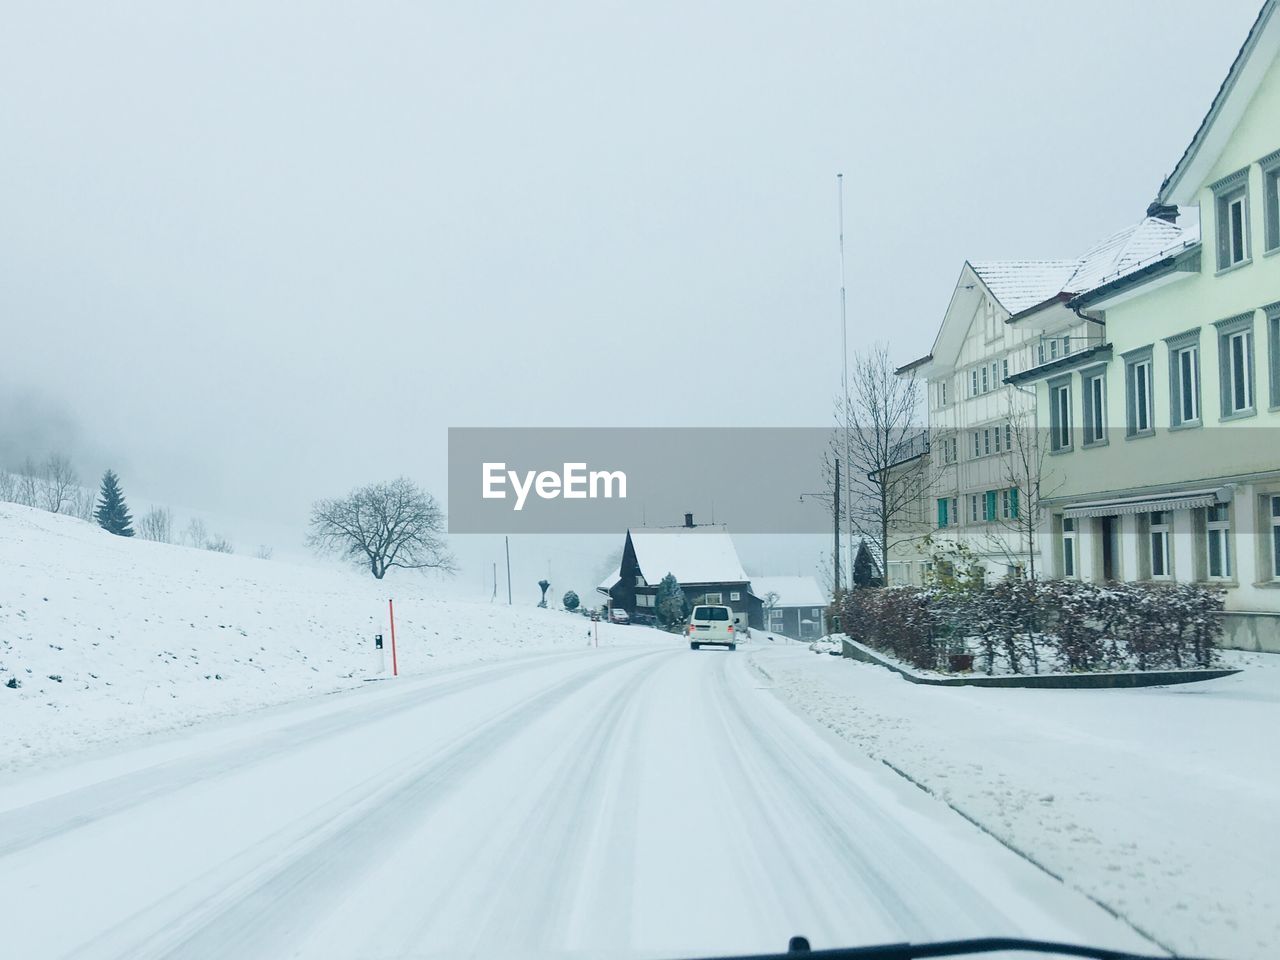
(391, 610)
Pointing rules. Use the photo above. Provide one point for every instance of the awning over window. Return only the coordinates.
(1180, 500)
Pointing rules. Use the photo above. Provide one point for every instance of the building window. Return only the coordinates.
(815, 612)
(644, 599)
(715, 597)
(1004, 369)
(1184, 379)
(977, 445)
(1275, 537)
(1060, 415)
(1068, 547)
(1271, 199)
(942, 392)
(1235, 364)
(1138, 406)
(1093, 393)
(985, 388)
(995, 435)
(1160, 545)
(1232, 217)
(1040, 352)
(986, 442)
(1008, 436)
(1066, 345)
(735, 595)
(1218, 540)
(951, 449)
(973, 508)
(1006, 511)
(973, 383)
(1053, 349)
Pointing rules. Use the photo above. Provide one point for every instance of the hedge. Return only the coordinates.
(1031, 625)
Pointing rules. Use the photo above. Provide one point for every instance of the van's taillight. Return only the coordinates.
(731, 628)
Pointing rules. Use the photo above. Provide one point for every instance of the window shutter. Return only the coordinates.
(1013, 502)
(942, 513)
(989, 511)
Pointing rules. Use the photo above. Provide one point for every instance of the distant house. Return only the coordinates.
(792, 606)
(702, 559)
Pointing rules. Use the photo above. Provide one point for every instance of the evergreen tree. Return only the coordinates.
(571, 601)
(113, 513)
(864, 570)
(669, 605)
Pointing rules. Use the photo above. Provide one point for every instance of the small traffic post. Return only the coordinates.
(391, 611)
(382, 654)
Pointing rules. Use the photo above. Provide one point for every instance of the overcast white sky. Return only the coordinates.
(253, 253)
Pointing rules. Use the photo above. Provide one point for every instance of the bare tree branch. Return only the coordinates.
(381, 526)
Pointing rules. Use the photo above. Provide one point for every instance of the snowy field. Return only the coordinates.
(1160, 803)
(111, 638)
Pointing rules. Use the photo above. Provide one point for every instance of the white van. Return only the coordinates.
(712, 626)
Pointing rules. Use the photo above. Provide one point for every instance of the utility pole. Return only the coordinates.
(495, 582)
(507, 541)
(844, 356)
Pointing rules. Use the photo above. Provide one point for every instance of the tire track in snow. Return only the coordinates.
(26, 826)
(813, 791)
(263, 916)
(557, 832)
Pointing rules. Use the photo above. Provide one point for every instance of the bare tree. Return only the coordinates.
(381, 526)
(83, 503)
(263, 552)
(8, 486)
(195, 534)
(28, 487)
(1029, 486)
(60, 482)
(885, 449)
(157, 524)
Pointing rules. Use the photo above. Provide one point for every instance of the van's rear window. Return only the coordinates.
(710, 613)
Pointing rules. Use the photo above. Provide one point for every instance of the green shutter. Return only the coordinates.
(1013, 502)
(989, 511)
(942, 513)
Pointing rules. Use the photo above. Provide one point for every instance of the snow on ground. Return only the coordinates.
(111, 638)
(628, 802)
(1159, 802)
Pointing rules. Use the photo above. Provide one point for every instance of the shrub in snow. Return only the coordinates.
(571, 601)
(1019, 626)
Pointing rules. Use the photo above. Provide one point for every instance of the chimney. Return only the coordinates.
(1163, 211)
(688, 520)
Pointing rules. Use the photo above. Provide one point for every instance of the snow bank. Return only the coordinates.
(109, 638)
(1159, 802)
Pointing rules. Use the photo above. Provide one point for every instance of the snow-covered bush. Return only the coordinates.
(1024, 626)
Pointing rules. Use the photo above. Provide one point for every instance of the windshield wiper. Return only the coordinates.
(799, 946)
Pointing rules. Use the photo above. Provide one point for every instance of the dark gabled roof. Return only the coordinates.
(1072, 360)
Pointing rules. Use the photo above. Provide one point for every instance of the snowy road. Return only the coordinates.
(637, 801)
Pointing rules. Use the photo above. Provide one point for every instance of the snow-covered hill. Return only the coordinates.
(108, 638)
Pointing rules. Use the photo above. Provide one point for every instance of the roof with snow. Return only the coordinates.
(791, 591)
(1145, 242)
(1019, 284)
(698, 555)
